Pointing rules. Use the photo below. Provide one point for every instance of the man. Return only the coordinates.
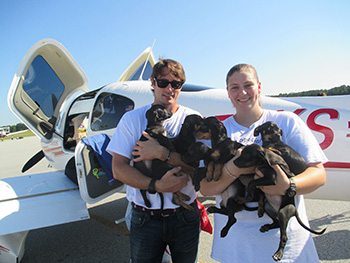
(152, 229)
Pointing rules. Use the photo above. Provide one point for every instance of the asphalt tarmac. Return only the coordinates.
(99, 239)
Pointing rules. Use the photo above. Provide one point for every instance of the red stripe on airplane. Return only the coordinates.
(339, 165)
(4, 248)
(223, 117)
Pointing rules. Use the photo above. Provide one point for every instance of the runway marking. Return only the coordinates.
(120, 228)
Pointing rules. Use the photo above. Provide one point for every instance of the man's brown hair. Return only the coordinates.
(175, 68)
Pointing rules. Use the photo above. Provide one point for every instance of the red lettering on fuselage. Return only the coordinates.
(326, 131)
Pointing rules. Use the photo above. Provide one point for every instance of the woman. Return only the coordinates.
(244, 242)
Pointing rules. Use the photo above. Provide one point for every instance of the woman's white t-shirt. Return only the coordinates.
(244, 242)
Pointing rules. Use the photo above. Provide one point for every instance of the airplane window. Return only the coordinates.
(108, 110)
(43, 85)
(146, 74)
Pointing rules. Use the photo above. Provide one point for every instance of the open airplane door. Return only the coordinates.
(46, 77)
(94, 169)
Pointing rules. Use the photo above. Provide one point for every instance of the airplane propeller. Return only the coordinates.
(33, 161)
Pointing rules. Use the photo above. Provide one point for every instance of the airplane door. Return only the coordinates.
(47, 76)
(95, 176)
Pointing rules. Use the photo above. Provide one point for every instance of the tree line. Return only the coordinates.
(342, 90)
(17, 127)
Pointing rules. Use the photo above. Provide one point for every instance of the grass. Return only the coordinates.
(27, 133)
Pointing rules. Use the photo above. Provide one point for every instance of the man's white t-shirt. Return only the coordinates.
(128, 131)
(244, 242)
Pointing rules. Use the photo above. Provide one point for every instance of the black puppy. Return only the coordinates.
(263, 159)
(186, 136)
(151, 168)
(196, 152)
(157, 168)
(271, 135)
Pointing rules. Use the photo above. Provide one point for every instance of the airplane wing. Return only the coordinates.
(39, 200)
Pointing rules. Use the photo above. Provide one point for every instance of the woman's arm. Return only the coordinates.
(229, 173)
(308, 181)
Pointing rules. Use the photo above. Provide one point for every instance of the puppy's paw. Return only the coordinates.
(217, 175)
(224, 232)
(210, 172)
(278, 255)
(261, 211)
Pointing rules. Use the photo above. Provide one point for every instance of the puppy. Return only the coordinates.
(271, 135)
(263, 159)
(229, 205)
(157, 168)
(196, 152)
(223, 148)
(155, 115)
(211, 129)
(186, 136)
(224, 151)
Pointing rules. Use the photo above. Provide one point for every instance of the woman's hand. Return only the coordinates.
(282, 182)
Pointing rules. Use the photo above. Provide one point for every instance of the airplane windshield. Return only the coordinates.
(108, 110)
(146, 74)
(43, 85)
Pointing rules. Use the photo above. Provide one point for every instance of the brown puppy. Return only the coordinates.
(223, 148)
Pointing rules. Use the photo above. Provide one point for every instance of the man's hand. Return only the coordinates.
(147, 150)
(171, 182)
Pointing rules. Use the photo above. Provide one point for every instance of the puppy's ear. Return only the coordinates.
(268, 157)
(257, 131)
(222, 128)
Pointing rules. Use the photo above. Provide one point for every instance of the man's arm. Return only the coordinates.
(129, 175)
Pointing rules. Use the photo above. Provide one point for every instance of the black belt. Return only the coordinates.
(159, 212)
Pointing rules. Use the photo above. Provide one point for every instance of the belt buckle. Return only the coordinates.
(164, 215)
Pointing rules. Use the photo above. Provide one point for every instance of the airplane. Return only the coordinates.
(50, 94)
(4, 131)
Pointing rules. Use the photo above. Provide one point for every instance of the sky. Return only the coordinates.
(295, 45)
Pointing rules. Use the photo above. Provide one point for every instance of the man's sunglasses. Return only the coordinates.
(163, 83)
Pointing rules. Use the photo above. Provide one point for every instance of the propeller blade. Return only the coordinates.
(33, 161)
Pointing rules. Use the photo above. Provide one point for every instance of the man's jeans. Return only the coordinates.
(149, 236)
